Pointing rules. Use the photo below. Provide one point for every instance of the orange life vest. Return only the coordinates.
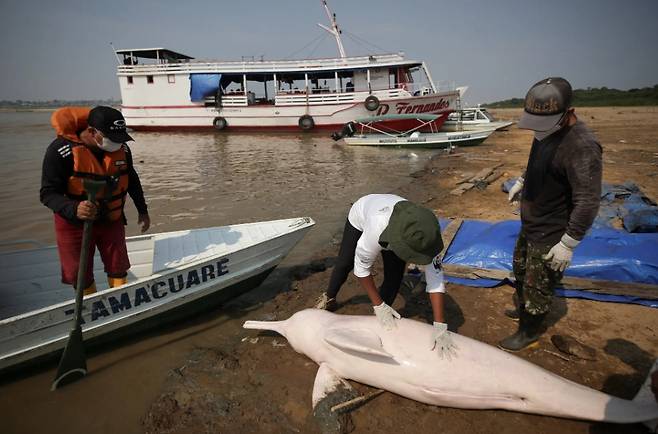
(113, 170)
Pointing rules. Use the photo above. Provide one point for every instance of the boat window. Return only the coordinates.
(260, 88)
(291, 83)
(149, 79)
(488, 115)
(171, 78)
(482, 117)
(130, 79)
(321, 82)
(379, 78)
(232, 84)
(346, 81)
(403, 79)
(468, 115)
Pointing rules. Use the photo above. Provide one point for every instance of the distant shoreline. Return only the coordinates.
(42, 109)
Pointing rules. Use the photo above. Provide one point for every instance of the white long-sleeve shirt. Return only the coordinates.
(371, 214)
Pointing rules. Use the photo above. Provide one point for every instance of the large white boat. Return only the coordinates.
(163, 89)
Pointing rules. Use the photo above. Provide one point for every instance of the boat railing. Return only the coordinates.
(234, 100)
(259, 66)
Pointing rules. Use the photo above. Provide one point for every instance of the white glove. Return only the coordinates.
(516, 189)
(560, 254)
(442, 341)
(385, 315)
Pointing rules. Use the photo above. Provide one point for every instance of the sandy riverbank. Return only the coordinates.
(232, 380)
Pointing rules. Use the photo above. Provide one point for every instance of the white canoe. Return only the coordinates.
(421, 140)
(170, 272)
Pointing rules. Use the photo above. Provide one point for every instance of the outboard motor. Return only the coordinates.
(348, 130)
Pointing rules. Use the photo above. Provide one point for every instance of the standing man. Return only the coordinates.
(560, 194)
(402, 232)
(91, 144)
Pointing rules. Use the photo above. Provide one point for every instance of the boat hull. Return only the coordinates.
(436, 140)
(165, 296)
(326, 116)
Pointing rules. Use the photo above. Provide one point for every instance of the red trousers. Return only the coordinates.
(108, 237)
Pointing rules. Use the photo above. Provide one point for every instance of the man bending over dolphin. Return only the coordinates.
(403, 232)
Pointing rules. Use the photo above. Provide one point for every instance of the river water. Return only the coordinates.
(194, 180)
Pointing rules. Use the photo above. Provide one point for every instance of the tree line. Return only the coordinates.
(597, 97)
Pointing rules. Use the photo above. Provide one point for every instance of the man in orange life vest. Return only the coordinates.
(91, 144)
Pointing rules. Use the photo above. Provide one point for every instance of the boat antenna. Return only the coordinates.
(115, 53)
(334, 30)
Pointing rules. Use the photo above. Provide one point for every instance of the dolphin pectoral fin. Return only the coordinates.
(326, 382)
(361, 341)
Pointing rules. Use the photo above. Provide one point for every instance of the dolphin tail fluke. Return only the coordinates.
(646, 397)
(275, 326)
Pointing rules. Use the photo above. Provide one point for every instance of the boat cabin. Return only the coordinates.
(159, 76)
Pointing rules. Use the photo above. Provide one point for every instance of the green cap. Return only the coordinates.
(413, 233)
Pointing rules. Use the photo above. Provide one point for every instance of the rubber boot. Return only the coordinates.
(90, 289)
(527, 335)
(117, 281)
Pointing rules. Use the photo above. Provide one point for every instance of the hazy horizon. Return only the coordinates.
(61, 50)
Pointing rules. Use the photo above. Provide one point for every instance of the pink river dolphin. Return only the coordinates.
(479, 377)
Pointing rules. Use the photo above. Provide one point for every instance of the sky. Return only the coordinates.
(61, 49)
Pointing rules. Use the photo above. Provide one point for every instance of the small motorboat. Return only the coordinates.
(475, 118)
(173, 274)
(375, 131)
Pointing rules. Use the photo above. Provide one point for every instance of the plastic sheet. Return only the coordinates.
(605, 254)
(203, 85)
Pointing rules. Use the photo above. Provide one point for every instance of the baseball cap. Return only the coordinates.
(110, 122)
(545, 104)
(413, 233)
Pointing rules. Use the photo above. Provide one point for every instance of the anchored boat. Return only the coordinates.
(384, 131)
(173, 274)
(162, 89)
(475, 118)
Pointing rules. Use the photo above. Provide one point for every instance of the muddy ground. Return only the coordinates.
(251, 382)
(234, 380)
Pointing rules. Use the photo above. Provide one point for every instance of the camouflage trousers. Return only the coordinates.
(535, 280)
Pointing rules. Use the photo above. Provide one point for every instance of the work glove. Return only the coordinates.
(516, 189)
(560, 254)
(386, 315)
(442, 341)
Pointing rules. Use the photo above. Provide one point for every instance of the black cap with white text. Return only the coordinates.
(545, 104)
(110, 122)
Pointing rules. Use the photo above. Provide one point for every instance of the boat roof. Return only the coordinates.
(154, 53)
(177, 62)
(383, 118)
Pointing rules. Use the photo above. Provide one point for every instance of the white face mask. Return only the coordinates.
(541, 135)
(108, 145)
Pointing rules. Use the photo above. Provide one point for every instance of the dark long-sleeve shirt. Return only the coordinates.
(58, 168)
(562, 188)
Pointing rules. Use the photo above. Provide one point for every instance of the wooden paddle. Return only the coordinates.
(73, 364)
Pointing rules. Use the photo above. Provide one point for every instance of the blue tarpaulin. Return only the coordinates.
(203, 85)
(605, 254)
(625, 202)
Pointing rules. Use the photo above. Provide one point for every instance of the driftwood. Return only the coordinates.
(480, 180)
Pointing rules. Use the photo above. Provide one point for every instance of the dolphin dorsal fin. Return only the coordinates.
(359, 340)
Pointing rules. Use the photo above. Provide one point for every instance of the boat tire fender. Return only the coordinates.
(371, 103)
(219, 123)
(306, 123)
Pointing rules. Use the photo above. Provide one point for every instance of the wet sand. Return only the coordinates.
(207, 374)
